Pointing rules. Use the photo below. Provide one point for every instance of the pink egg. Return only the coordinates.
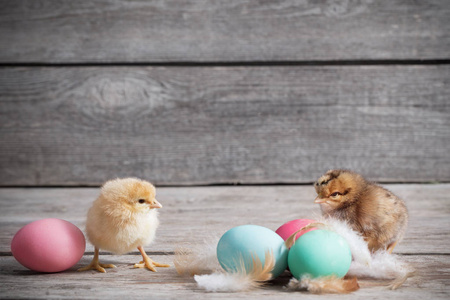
(48, 245)
(289, 228)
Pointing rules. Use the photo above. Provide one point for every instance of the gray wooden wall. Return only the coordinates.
(204, 92)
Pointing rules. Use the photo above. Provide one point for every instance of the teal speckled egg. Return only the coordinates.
(239, 243)
(320, 253)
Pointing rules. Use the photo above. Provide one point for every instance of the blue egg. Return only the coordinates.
(240, 243)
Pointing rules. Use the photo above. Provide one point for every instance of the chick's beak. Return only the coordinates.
(155, 204)
(319, 200)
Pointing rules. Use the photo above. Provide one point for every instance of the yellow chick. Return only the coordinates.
(379, 215)
(123, 218)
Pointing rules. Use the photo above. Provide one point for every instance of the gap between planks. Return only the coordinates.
(275, 63)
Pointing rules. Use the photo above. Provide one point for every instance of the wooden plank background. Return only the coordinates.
(210, 31)
(220, 125)
(251, 92)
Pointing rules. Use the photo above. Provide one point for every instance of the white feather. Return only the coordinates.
(200, 260)
(384, 266)
(225, 282)
(241, 279)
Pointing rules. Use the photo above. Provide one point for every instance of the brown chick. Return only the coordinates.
(379, 215)
(121, 219)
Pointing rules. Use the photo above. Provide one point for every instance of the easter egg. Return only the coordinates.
(289, 228)
(48, 245)
(240, 243)
(320, 253)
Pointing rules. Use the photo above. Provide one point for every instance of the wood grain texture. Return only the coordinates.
(431, 281)
(191, 214)
(203, 125)
(56, 31)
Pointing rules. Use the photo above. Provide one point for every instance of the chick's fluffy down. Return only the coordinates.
(112, 235)
(116, 223)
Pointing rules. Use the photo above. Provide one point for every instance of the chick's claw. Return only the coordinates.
(160, 265)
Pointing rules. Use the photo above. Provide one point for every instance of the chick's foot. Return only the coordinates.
(148, 262)
(95, 265)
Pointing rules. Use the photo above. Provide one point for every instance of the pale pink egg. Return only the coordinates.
(289, 228)
(48, 245)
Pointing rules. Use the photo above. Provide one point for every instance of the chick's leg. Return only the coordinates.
(96, 265)
(148, 262)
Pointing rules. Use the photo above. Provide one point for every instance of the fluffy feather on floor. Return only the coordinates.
(239, 280)
(200, 261)
(198, 258)
(384, 266)
(324, 285)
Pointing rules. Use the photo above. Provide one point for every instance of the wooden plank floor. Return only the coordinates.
(190, 214)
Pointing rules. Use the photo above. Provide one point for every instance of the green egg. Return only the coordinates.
(320, 253)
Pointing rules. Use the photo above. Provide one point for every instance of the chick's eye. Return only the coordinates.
(141, 201)
(335, 194)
